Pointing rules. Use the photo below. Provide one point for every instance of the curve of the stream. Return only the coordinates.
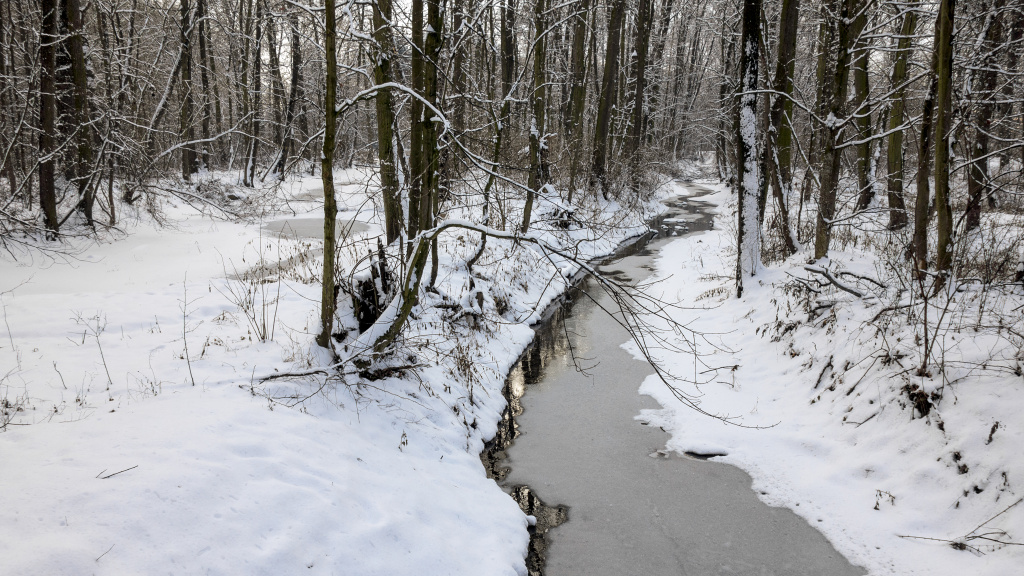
(617, 502)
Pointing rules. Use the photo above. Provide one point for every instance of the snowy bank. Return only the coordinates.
(905, 472)
(138, 437)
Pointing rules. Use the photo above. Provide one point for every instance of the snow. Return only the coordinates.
(113, 462)
(826, 425)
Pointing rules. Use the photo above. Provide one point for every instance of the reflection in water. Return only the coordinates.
(547, 517)
(551, 344)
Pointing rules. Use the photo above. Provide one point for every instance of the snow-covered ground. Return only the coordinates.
(842, 442)
(125, 452)
(139, 436)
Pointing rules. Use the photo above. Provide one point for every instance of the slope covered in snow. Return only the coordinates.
(141, 434)
(906, 471)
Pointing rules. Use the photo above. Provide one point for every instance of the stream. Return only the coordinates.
(608, 498)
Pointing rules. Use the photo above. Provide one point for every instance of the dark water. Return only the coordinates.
(607, 497)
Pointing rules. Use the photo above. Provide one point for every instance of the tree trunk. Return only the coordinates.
(609, 90)
(5, 105)
(578, 93)
(382, 14)
(780, 131)
(722, 150)
(328, 299)
(460, 38)
(417, 164)
(657, 59)
(431, 197)
(894, 177)
(748, 256)
(83, 129)
(637, 128)
(826, 37)
(294, 95)
(189, 158)
(204, 78)
(508, 64)
(255, 89)
(861, 109)
(1015, 33)
(538, 152)
(48, 115)
(276, 82)
(977, 174)
(943, 123)
(921, 203)
(431, 150)
(834, 98)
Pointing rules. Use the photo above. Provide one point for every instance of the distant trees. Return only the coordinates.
(523, 108)
(859, 83)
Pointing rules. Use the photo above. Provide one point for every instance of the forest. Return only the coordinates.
(863, 159)
(474, 103)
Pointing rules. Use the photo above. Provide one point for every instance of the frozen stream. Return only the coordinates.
(617, 504)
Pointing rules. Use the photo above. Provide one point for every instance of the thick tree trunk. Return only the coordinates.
(578, 92)
(637, 127)
(834, 98)
(386, 153)
(748, 255)
(431, 150)
(780, 130)
(538, 147)
(83, 129)
(977, 174)
(609, 91)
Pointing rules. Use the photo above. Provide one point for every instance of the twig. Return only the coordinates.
(115, 473)
(105, 553)
(1005, 510)
(59, 374)
(291, 374)
(184, 327)
(860, 277)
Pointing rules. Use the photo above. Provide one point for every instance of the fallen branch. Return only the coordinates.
(636, 310)
(961, 543)
(824, 272)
